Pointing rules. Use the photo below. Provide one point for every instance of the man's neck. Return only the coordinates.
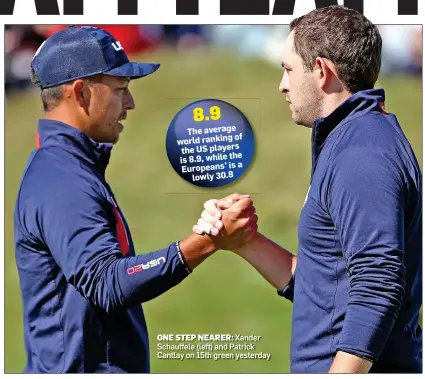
(65, 116)
(333, 101)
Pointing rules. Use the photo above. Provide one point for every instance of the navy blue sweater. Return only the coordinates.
(357, 286)
(80, 280)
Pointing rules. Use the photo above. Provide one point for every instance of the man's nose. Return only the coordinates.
(284, 84)
(129, 101)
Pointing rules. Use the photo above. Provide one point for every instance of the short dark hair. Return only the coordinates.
(345, 37)
(51, 97)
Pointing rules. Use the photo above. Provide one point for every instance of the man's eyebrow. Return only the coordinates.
(284, 64)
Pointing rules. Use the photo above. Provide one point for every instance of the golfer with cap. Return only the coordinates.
(82, 284)
(356, 282)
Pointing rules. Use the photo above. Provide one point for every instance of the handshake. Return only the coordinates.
(230, 222)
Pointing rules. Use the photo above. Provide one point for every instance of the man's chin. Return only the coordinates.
(296, 119)
(301, 122)
(115, 139)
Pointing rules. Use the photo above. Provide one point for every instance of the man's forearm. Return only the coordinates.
(144, 277)
(345, 363)
(195, 249)
(273, 262)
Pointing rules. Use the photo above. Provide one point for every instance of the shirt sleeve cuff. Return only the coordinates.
(362, 340)
(182, 260)
(357, 354)
(288, 291)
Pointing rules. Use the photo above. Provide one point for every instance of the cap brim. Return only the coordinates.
(133, 70)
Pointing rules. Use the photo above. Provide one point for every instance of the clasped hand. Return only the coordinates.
(231, 222)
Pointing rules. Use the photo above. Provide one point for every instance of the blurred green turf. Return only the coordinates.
(224, 295)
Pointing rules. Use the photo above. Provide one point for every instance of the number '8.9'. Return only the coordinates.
(198, 114)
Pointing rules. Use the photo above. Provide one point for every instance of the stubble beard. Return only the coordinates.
(311, 108)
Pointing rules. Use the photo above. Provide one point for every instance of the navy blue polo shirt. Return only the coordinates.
(357, 286)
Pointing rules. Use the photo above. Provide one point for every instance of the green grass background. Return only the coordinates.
(224, 295)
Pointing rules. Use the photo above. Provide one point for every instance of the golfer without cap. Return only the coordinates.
(356, 282)
(81, 283)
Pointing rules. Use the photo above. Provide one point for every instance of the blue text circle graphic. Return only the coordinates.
(210, 143)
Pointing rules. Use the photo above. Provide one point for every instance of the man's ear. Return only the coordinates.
(82, 94)
(326, 71)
